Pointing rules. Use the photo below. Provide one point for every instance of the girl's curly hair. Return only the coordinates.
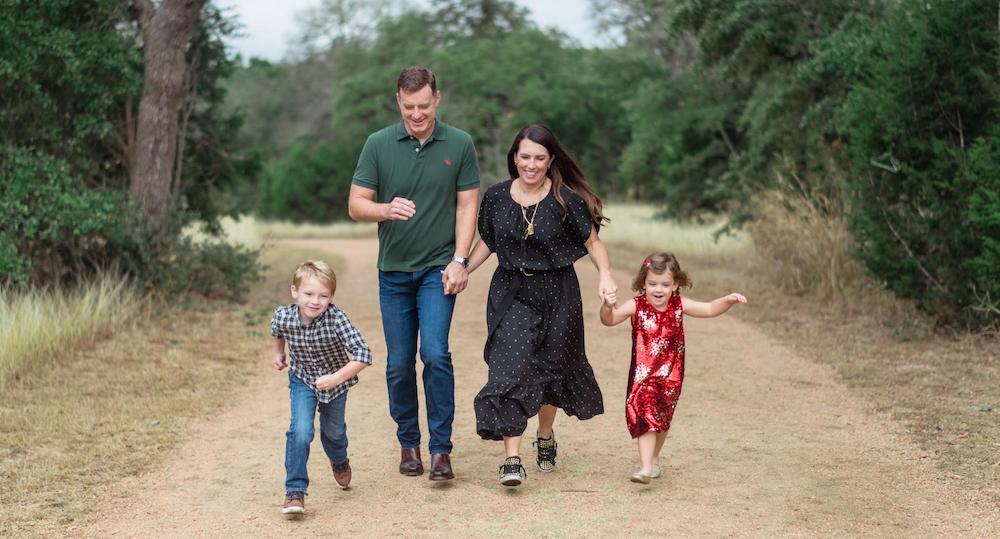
(660, 263)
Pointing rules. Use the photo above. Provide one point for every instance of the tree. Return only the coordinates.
(71, 75)
(165, 31)
(920, 125)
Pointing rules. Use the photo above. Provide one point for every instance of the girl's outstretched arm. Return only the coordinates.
(700, 309)
(611, 314)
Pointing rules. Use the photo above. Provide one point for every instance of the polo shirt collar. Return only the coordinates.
(438, 134)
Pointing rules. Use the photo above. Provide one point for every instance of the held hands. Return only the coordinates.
(611, 298)
(607, 289)
(399, 209)
(280, 361)
(454, 278)
(328, 381)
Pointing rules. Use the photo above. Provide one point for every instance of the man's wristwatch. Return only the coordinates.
(463, 260)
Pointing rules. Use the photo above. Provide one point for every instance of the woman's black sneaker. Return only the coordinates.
(546, 456)
(511, 472)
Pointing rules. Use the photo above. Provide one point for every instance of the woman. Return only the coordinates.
(539, 223)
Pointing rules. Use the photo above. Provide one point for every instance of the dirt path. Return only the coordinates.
(764, 444)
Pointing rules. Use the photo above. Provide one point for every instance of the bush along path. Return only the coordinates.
(763, 443)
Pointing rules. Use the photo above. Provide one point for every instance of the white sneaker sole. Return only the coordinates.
(544, 470)
(293, 511)
(510, 480)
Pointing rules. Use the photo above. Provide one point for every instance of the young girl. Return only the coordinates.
(657, 371)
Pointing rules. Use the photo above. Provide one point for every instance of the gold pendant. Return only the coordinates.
(530, 230)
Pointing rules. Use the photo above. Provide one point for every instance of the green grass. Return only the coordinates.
(41, 325)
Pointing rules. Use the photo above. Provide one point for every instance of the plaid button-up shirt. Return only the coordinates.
(321, 347)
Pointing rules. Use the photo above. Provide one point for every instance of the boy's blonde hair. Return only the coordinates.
(318, 269)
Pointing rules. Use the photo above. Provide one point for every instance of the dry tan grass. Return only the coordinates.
(252, 232)
(40, 326)
(110, 409)
(804, 243)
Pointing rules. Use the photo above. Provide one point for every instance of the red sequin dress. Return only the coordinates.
(657, 372)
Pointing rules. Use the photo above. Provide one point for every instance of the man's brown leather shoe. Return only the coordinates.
(409, 461)
(441, 468)
(342, 473)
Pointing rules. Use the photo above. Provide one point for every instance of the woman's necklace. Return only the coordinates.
(530, 229)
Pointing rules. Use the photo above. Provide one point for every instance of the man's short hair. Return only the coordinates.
(414, 78)
(318, 269)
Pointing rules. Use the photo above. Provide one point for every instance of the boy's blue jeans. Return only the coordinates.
(332, 432)
(412, 303)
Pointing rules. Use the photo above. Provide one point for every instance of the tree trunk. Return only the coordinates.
(165, 34)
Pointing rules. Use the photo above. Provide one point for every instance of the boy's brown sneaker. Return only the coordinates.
(342, 473)
(295, 504)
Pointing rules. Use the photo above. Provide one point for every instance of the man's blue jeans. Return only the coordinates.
(412, 303)
(332, 432)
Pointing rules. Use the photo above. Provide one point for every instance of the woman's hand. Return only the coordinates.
(610, 298)
(606, 286)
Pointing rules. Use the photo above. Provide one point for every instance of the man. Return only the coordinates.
(419, 179)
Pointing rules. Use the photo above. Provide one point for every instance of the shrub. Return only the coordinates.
(212, 269)
(921, 131)
(52, 229)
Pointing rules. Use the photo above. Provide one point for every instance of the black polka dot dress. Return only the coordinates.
(534, 314)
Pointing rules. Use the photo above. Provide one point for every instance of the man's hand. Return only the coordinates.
(280, 361)
(454, 278)
(399, 209)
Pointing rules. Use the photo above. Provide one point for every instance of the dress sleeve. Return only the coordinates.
(485, 220)
(578, 220)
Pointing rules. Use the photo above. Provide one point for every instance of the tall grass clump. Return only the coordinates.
(804, 241)
(43, 325)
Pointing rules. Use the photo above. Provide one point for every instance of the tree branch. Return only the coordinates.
(729, 143)
(144, 12)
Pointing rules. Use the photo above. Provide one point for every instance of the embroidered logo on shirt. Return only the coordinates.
(447, 162)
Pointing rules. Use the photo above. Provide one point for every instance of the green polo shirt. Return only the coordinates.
(393, 163)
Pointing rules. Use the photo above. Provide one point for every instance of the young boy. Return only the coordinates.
(325, 354)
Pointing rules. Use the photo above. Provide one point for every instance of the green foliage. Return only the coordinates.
(218, 173)
(69, 73)
(496, 71)
(65, 74)
(211, 269)
(310, 183)
(921, 131)
(55, 229)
